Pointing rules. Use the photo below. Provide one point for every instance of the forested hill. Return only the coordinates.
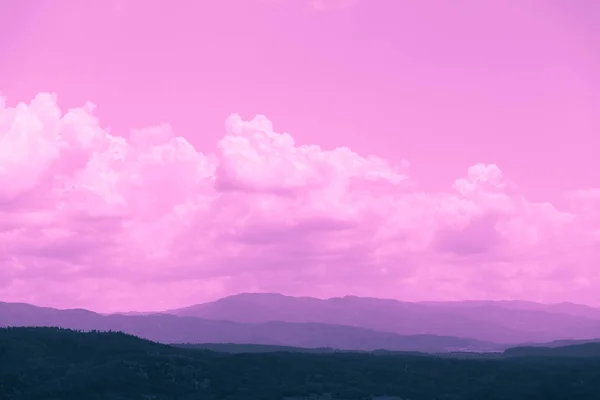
(57, 364)
(579, 350)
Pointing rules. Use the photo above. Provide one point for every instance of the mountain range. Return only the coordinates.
(351, 323)
(494, 321)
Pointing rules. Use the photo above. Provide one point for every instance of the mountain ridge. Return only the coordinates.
(167, 328)
(272, 318)
(501, 321)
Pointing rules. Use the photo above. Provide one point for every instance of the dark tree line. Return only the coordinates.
(52, 364)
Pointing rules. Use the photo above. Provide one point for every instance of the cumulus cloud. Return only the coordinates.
(92, 219)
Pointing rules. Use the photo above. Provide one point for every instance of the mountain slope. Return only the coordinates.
(166, 328)
(488, 321)
(578, 310)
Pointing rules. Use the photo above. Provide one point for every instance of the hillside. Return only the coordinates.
(586, 350)
(166, 328)
(53, 364)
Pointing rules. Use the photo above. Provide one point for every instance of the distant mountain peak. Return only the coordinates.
(256, 294)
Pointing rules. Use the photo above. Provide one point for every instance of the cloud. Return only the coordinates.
(91, 219)
(319, 5)
(332, 4)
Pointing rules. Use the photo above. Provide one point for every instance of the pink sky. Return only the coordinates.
(435, 150)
